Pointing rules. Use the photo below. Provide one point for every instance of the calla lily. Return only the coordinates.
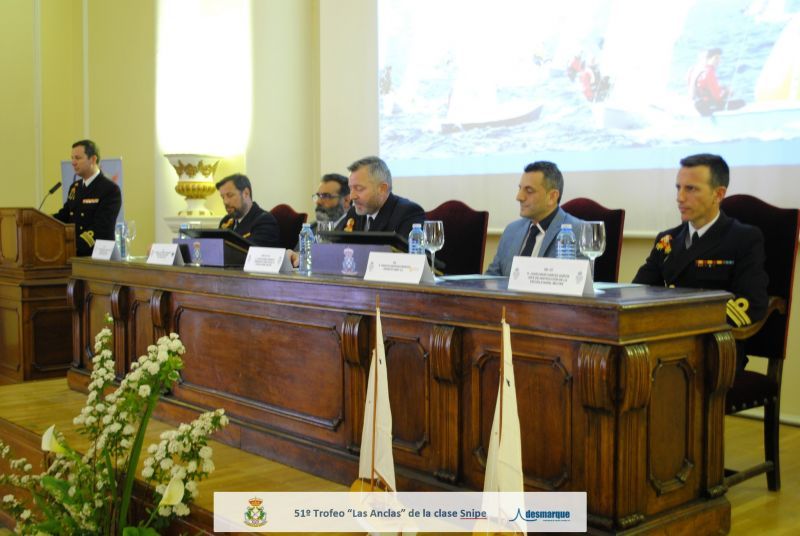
(50, 443)
(174, 492)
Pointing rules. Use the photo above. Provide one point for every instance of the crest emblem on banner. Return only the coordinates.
(255, 515)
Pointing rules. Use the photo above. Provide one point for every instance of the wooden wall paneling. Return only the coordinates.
(633, 401)
(445, 360)
(120, 305)
(355, 339)
(720, 372)
(597, 385)
(75, 299)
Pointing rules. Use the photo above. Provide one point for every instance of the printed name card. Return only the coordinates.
(106, 250)
(267, 261)
(398, 268)
(165, 255)
(551, 276)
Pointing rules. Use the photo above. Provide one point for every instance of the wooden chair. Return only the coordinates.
(767, 338)
(606, 266)
(465, 237)
(290, 223)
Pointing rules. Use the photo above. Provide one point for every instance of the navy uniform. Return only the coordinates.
(93, 209)
(729, 256)
(397, 215)
(258, 226)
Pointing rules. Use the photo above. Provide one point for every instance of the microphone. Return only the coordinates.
(52, 190)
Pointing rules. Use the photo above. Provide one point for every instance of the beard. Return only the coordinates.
(329, 214)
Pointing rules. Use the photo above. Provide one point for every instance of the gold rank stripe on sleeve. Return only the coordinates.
(246, 235)
(88, 237)
(737, 311)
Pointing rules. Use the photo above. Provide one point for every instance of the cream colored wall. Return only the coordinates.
(18, 135)
(122, 56)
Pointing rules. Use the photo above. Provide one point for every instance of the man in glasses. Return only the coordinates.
(332, 198)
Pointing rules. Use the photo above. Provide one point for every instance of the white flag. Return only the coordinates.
(376, 436)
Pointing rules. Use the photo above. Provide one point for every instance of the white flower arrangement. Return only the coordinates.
(91, 493)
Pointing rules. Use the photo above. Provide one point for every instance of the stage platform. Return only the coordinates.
(28, 409)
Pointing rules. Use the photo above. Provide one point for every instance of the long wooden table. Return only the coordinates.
(620, 395)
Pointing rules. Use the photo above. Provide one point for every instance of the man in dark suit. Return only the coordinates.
(373, 205)
(245, 217)
(710, 250)
(93, 202)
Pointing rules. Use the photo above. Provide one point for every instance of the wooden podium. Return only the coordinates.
(35, 319)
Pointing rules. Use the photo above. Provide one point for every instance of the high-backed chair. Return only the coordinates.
(768, 338)
(606, 266)
(464, 237)
(289, 223)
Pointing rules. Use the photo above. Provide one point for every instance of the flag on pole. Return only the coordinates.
(376, 458)
(504, 461)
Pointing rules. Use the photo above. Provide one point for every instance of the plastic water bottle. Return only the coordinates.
(120, 235)
(306, 240)
(416, 238)
(566, 243)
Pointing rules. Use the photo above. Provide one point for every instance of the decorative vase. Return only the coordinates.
(195, 180)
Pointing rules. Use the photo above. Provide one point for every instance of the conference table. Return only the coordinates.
(620, 395)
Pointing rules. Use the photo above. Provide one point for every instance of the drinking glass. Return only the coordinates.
(130, 227)
(592, 240)
(324, 227)
(434, 239)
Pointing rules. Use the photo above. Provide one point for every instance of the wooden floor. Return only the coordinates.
(755, 510)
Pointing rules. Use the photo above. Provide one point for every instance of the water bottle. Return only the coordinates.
(416, 238)
(566, 243)
(120, 235)
(306, 240)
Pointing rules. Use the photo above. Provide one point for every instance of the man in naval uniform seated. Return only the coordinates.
(93, 202)
(710, 250)
(245, 217)
(373, 206)
(534, 234)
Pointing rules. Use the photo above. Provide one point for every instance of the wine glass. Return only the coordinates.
(592, 240)
(434, 239)
(130, 234)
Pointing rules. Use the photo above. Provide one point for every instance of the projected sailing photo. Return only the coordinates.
(468, 86)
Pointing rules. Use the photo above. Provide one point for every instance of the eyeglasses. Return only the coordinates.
(325, 197)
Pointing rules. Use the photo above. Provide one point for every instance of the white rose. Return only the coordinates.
(205, 452)
(144, 391)
(166, 463)
(147, 472)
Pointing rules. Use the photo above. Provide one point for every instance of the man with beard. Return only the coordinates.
(245, 217)
(374, 207)
(332, 198)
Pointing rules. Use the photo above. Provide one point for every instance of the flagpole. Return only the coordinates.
(502, 375)
(374, 397)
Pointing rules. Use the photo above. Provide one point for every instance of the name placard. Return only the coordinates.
(267, 261)
(106, 250)
(564, 277)
(165, 255)
(398, 268)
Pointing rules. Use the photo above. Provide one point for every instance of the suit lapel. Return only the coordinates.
(381, 222)
(552, 232)
(681, 257)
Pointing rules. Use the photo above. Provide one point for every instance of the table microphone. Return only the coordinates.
(52, 190)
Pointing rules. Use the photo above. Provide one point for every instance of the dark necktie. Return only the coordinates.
(369, 223)
(530, 240)
(695, 238)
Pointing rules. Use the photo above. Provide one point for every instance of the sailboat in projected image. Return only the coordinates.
(473, 100)
(637, 60)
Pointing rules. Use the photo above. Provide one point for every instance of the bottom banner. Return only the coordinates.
(399, 512)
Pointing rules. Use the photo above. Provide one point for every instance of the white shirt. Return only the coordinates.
(87, 182)
(701, 231)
